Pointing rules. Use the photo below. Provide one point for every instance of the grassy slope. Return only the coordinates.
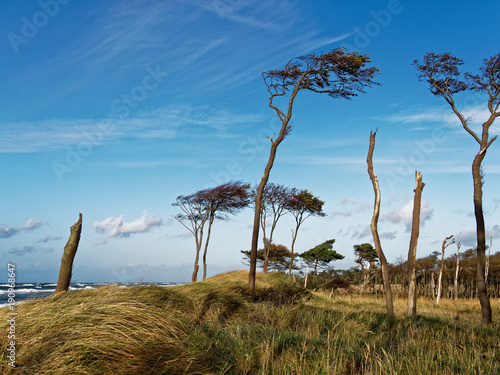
(216, 327)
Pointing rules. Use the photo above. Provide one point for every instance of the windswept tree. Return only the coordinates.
(367, 257)
(206, 206)
(274, 203)
(441, 72)
(277, 258)
(222, 201)
(301, 206)
(338, 73)
(321, 255)
(193, 217)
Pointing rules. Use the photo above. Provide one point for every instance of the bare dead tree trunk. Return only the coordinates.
(374, 229)
(412, 252)
(487, 266)
(68, 257)
(294, 237)
(441, 267)
(267, 244)
(457, 268)
(433, 288)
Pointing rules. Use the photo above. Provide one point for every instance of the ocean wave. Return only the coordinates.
(27, 291)
(86, 287)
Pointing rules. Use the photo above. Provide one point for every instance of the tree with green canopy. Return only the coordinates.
(277, 258)
(301, 206)
(321, 255)
(366, 253)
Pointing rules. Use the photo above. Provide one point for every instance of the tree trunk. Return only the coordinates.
(210, 222)
(433, 288)
(256, 220)
(267, 245)
(258, 204)
(68, 257)
(482, 291)
(412, 252)
(294, 237)
(265, 266)
(305, 280)
(194, 276)
(366, 280)
(199, 241)
(441, 267)
(456, 273)
(258, 198)
(374, 229)
(487, 267)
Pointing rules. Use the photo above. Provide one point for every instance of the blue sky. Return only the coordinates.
(114, 108)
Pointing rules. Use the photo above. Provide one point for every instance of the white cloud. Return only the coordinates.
(444, 115)
(365, 232)
(353, 207)
(346, 200)
(405, 214)
(118, 227)
(8, 231)
(388, 235)
(48, 238)
(357, 232)
(469, 238)
(21, 251)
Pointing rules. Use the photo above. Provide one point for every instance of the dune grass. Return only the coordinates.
(217, 327)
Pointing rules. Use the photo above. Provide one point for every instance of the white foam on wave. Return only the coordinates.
(86, 287)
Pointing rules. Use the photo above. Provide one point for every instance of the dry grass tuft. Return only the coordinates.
(217, 327)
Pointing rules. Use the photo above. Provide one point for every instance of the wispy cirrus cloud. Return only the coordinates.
(21, 251)
(9, 231)
(421, 117)
(168, 122)
(117, 227)
(48, 238)
(256, 14)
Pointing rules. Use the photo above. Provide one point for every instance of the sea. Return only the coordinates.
(24, 291)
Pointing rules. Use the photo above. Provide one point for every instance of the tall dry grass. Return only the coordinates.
(217, 327)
